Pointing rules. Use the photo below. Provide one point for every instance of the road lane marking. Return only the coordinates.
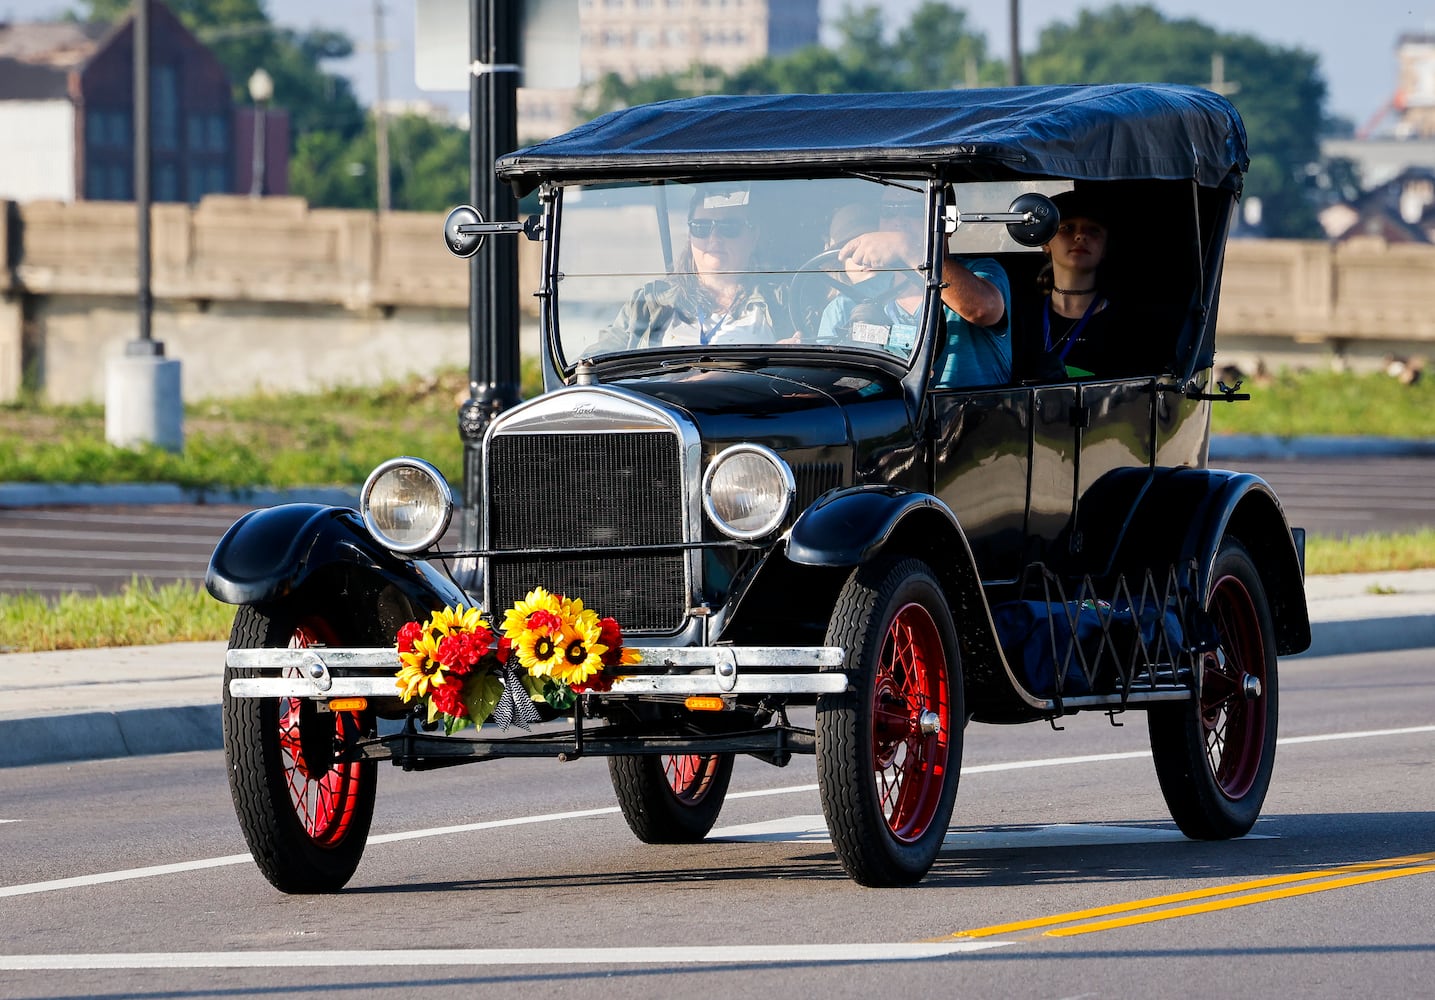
(1250, 900)
(546, 957)
(1339, 877)
(100, 878)
(812, 829)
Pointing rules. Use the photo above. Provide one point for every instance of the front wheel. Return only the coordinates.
(305, 815)
(1214, 755)
(889, 752)
(671, 798)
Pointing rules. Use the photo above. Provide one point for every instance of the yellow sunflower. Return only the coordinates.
(540, 608)
(539, 652)
(580, 652)
(455, 619)
(421, 668)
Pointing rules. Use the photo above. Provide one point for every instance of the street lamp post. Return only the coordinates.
(143, 399)
(261, 89)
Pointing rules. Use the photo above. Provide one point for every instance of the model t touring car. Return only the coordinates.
(782, 470)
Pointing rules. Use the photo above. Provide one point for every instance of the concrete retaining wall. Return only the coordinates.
(271, 294)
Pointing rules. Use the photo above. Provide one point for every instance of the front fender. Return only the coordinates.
(268, 555)
(1213, 504)
(848, 527)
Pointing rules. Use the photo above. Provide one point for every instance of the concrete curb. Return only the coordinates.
(124, 494)
(131, 732)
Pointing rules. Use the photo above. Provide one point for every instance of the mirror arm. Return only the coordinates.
(464, 230)
(532, 227)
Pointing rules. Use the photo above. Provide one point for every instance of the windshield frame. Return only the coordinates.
(561, 232)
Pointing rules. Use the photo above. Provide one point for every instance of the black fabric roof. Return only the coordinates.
(1096, 132)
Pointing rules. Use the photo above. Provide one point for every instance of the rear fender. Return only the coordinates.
(314, 555)
(1214, 504)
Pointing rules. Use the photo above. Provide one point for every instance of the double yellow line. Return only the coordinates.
(1105, 918)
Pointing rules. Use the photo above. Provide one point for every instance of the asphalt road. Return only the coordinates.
(99, 549)
(128, 878)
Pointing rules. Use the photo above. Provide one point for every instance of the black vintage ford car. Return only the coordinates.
(794, 483)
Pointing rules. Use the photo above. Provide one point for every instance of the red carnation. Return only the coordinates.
(505, 646)
(408, 635)
(599, 683)
(612, 637)
(545, 622)
(448, 699)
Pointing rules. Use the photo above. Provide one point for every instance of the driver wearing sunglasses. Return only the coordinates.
(716, 294)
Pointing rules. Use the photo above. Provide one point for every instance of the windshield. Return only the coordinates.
(652, 266)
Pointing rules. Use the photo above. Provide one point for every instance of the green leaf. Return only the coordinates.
(480, 696)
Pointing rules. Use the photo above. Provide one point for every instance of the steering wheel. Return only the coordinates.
(812, 287)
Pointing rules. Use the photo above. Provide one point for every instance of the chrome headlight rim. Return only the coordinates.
(778, 515)
(444, 495)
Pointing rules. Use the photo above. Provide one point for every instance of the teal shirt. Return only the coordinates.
(972, 355)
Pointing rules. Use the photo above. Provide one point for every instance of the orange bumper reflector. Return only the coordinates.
(348, 704)
(704, 703)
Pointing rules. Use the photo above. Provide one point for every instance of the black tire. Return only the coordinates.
(1214, 757)
(888, 784)
(306, 827)
(671, 799)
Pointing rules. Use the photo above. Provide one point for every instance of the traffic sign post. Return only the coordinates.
(502, 33)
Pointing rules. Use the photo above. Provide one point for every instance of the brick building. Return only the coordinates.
(67, 111)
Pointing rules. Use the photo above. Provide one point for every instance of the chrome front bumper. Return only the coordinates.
(324, 673)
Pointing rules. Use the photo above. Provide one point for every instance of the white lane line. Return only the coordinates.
(546, 957)
(813, 830)
(1368, 734)
(102, 878)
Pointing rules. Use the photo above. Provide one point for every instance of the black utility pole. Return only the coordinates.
(145, 344)
(493, 271)
(1014, 69)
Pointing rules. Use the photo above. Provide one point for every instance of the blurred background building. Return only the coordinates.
(67, 114)
(636, 38)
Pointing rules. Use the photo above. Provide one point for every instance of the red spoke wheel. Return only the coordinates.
(671, 799)
(889, 751)
(1214, 756)
(304, 813)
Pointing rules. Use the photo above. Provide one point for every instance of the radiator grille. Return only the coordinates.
(562, 491)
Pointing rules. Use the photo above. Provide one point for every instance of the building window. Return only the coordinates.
(164, 107)
(166, 182)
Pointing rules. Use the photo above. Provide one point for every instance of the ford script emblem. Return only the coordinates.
(584, 409)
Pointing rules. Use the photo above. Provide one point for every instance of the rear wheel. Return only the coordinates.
(1214, 756)
(671, 799)
(305, 815)
(889, 752)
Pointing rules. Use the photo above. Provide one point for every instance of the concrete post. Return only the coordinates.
(143, 402)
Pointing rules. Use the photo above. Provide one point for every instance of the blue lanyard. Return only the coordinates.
(1071, 335)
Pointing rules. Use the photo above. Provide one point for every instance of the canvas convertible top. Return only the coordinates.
(1088, 132)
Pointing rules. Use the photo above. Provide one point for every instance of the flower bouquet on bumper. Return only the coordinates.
(549, 650)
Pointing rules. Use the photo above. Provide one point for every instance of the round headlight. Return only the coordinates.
(407, 504)
(747, 491)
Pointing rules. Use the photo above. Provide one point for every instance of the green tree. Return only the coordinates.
(428, 167)
(936, 50)
(1278, 91)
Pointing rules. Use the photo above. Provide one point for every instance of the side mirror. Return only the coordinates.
(464, 230)
(460, 243)
(1040, 219)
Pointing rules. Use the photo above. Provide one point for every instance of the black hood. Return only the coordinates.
(786, 406)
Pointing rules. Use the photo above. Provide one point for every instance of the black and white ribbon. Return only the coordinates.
(514, 705)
